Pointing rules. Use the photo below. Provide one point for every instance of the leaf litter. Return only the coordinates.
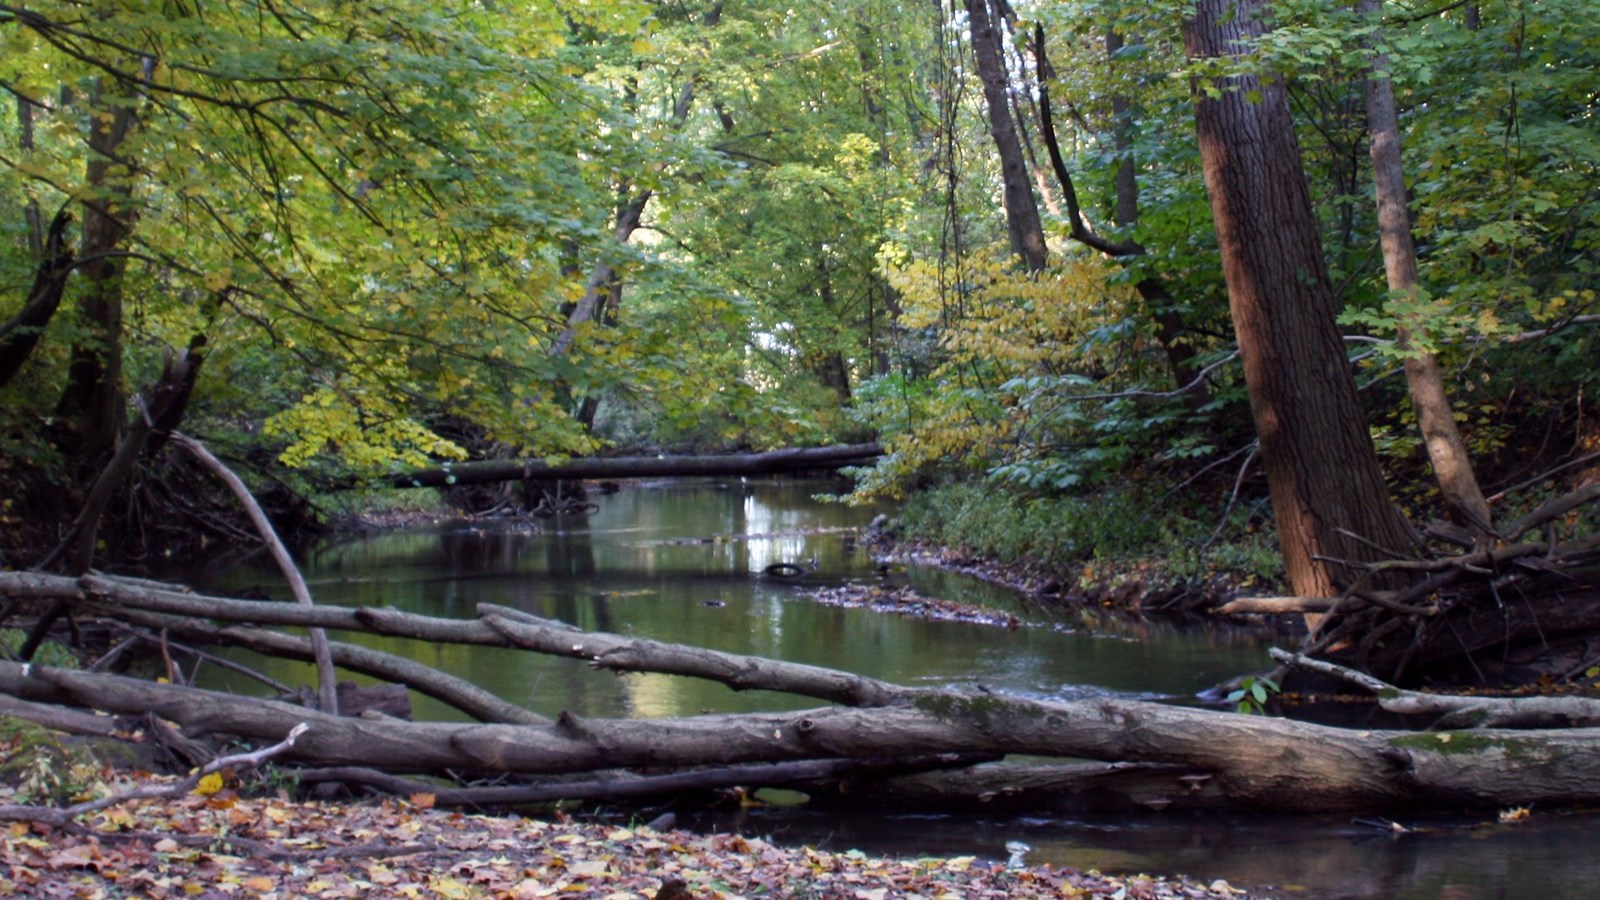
(223, 845)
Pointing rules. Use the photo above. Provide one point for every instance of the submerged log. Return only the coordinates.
(771, 462)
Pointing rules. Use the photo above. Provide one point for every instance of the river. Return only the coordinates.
(683, 561)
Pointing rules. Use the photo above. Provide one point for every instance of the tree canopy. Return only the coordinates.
(414, 232)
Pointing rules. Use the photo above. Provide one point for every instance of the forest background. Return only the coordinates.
(404, 233)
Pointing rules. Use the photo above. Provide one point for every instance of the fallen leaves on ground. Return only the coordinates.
(224, 846)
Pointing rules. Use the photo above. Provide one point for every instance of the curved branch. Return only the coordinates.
(326, 682)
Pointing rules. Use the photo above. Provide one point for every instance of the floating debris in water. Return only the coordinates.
(905, 601)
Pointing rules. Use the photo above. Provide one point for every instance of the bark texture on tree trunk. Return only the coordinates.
(1321, 467)
(1452, 465)
(1022, 212)
(94, 395)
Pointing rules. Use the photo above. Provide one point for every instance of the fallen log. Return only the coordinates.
(1179, 757)
(626, 786)
(770, 462)
(1455, 711)
(1271, 606)
(497, 627)
(1227, 759)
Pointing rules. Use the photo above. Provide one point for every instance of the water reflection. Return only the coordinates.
(685, 564)
(1290, 857)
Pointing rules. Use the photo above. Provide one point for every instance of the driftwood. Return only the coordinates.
(771, 462)
(883, 741)
(1484, 616)
(1456, 711)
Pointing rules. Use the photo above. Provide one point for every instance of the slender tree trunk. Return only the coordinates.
(94, 394)
(30, 211)
(1171, 332)
(629, 215)
(1022, 213)
(1452, 465)
(22, 332)
(1321, 467)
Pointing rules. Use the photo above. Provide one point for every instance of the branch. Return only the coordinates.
(1459, 712)
(1079, 229)
(327, 694)
(1553, 509)
(61, 817)
(635, 787)
(458, 692)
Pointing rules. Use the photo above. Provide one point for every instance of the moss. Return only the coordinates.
(1453, 743)
(979, 707)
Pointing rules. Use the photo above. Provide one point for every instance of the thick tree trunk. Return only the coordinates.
(770, 462)
(1219, 758)
(1022, 212)
(1452, 465)
(1328, 495)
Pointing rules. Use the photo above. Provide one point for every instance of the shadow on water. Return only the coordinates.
(684, 562)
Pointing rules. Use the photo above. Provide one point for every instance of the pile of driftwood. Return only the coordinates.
(1522, 607)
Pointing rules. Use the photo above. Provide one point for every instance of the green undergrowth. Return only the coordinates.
(382, 504)
(1092, 540)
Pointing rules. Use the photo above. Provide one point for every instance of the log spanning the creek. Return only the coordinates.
(910, 746)
(770, 462)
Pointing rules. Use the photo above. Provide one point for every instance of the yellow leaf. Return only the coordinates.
(209, 784)
(960, 863)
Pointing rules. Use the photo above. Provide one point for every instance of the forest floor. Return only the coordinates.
(224, 845)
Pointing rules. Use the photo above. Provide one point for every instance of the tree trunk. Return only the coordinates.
(1452, 465)
(1321, 467)
(1022, 213)
(771, 462)
(630, 214)
(1171, 332)
(22, 332)
(94, 395)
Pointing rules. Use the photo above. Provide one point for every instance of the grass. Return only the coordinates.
(1111, 528)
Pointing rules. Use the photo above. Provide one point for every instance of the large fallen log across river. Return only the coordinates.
(770, 462)
(880, 742)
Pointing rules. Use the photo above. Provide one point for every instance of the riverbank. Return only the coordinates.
(1105, 549)
(1137, 585)
(225, 845)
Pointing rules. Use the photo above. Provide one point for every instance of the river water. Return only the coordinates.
(683, 562)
